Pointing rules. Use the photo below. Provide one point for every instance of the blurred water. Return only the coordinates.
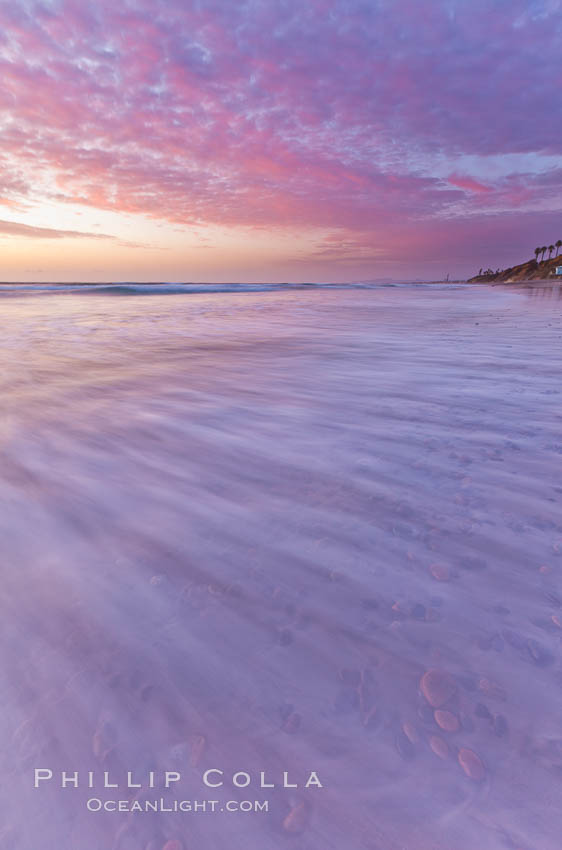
(238, 527)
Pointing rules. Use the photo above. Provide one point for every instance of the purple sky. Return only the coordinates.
(298, 140)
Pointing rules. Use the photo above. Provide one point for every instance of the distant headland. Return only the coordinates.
(531, 270)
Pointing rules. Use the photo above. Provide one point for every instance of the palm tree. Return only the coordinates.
(537, 252)
(558, 246)
(550, 250)
(544, 249)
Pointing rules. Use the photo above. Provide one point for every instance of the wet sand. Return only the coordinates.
(280, 531)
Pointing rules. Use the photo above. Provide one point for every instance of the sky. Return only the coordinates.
(277, 140)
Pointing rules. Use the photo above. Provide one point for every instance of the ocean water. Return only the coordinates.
(282, 530)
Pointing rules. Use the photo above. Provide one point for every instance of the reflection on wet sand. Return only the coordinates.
(545, 291)
(284, 532)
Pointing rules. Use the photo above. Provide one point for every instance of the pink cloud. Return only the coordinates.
(13, 228)
(274, 115)
(467, 183)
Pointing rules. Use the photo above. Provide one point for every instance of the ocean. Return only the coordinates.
(275, 531)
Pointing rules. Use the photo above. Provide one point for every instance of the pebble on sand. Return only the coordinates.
(158, 580)
(440, 572)
(439, 746)
(437, 687)
(492, 689)
(471, 764)
(446, 720)
(297, 819)
(410, 732)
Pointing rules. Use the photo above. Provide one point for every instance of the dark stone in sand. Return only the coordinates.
(466, 723)
(472, 764)
(437, 687)
(482, 711)
(418, 612)
(500, 725)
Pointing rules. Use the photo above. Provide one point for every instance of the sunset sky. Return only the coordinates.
(277, 139)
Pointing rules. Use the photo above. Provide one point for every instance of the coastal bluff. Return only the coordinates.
(531, 270)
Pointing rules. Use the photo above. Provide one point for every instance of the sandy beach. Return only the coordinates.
(282, 532)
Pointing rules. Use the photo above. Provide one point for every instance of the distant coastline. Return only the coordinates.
(531, 270)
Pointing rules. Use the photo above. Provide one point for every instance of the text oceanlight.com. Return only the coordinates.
(94, 804)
